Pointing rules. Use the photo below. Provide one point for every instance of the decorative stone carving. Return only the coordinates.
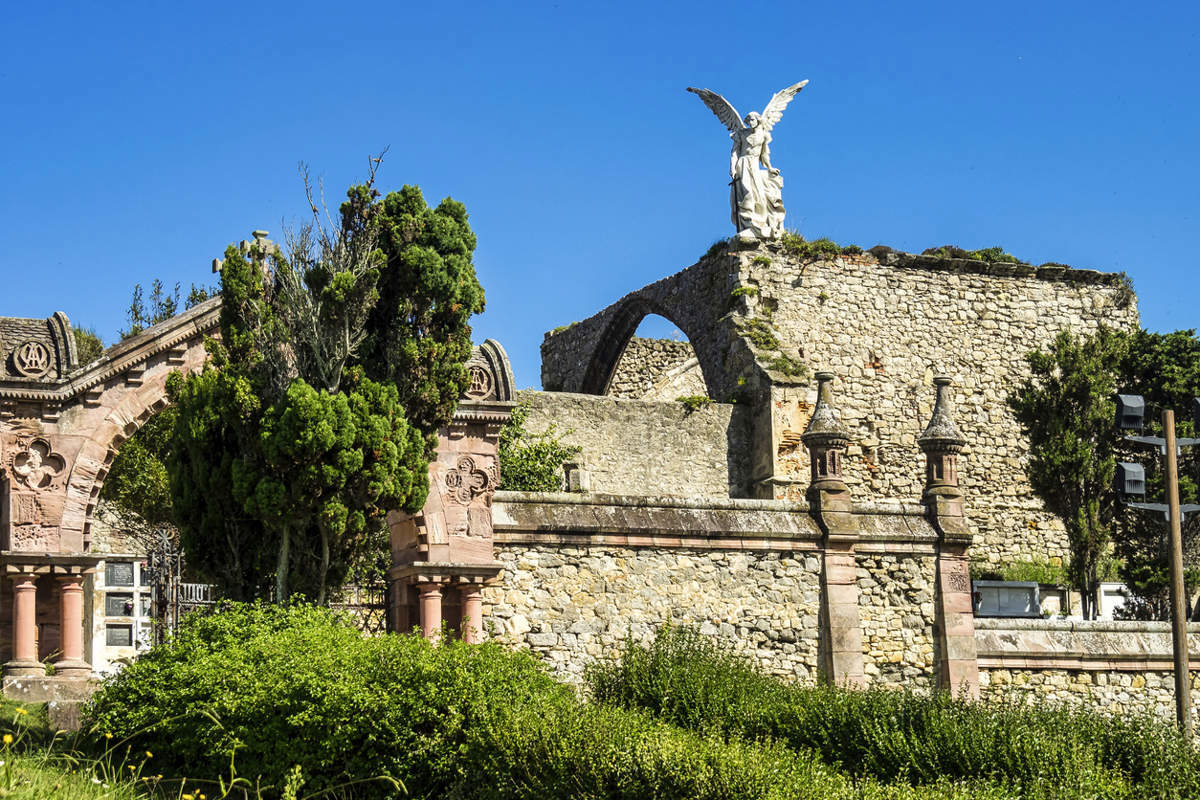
(481, 383)
(35, 466)
(958, 578)
(32, 359)
(755, 186)
(490, 374)
(467, 481)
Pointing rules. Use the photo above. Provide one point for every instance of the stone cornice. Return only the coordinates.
(200, 320)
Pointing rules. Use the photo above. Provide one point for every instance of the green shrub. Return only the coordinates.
(890, 736)
(796, 245)
(744, 291)
(717, 248)
(694, 402)
(274, 688)
(532, 462)
(992, 254)
(760, 334)
(1039, 571)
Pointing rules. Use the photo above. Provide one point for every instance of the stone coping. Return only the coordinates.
(881, 507)
(560, 518)
(1088, 645)
(1079, 625)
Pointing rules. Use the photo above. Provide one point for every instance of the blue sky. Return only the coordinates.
(137, 140)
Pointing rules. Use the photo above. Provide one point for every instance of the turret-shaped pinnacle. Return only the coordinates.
(941, 433)
(941, 442)
(825, 438)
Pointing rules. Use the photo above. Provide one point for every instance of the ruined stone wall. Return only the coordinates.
(896, 610)
(657, 369)
(648, 448)
(885, 326)
(1120, 668)
(886, 330)
(582, 574)
(574, 605)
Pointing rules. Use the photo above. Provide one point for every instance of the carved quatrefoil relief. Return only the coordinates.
(31, 359)
(36, 466)
(468, 481)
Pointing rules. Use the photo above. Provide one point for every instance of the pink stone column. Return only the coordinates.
(472, 617)
(71, 664)
(25, 661)
(431, 610)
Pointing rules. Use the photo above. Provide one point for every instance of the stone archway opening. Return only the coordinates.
(658, 363)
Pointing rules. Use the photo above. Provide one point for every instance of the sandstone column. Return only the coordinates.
(472, 616)
(829, 500)
(958, 667)
(25, 656)
(431, 610)
(71, 664)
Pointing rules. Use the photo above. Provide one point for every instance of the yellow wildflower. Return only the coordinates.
(8, 738)
(188, 797)
(22, 711)
(108, 736)
(149, 754)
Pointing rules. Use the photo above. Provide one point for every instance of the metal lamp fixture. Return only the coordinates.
(1130, 480)
(1131, 410)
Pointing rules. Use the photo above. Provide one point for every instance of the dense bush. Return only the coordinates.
(278, 687)
(532, 462)
(686, 679)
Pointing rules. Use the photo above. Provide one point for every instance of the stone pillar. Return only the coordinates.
(25, 656)
(958, 666)
(71, 664)
(829, 501)
(472, 613)
(431, 610)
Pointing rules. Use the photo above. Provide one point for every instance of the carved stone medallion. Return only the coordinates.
(31, 359)
(467, 481)
(481, 383)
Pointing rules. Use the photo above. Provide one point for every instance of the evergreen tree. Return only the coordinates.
(1067, 409)
(1165, 370)
(318, 411)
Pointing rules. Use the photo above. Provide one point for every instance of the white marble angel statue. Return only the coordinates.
(755, 186)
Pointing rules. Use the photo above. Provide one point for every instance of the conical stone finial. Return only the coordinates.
(941, 434)
(825, 438)
(825, 427)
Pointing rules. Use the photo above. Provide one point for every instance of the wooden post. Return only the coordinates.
(1183, 694)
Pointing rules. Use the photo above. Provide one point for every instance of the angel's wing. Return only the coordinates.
(774, 110)
(721, 107)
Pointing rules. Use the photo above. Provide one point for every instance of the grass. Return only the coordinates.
(896, 737)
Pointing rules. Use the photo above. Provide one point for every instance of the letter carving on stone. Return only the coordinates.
(467, 481)
(481, 383)
(31, 359)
